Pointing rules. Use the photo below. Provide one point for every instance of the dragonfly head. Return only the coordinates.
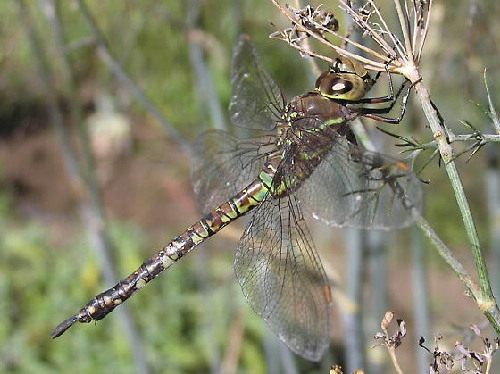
(345, 80)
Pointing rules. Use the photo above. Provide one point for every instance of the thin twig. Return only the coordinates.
(207, 98)
(425, 31)
(394, 39)
(306, 46)
(341, 51)
(482, 139)
(492, 110)
(394, 359)
(484, 296)
(405, 28)
(363, 24)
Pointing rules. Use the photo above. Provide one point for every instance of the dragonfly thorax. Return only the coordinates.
(314, 111)
(310, 125)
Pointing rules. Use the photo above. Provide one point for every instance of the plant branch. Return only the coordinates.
(405, 28)
(381, 66)
(414, 24)
(483, 296)
(492, 110)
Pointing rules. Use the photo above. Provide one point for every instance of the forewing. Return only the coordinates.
(352, 187)
(282, 278)
(256, 101)
(222, 166)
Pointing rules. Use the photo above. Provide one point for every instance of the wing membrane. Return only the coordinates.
(256, 101)
(352, 187)
(223, 165)
(282, 278)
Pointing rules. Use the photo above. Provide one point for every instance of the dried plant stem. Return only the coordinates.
(482, 294)
(377, 38)
(341, 51)
(495, 118)
(392, 354)
(305, 44)
(405, 27)
(420, 287)
(485, 138)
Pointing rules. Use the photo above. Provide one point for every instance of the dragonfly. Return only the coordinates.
(298, 159)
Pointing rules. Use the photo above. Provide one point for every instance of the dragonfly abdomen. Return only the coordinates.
(208, 225)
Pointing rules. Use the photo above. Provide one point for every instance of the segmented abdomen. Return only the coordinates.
(211, 223)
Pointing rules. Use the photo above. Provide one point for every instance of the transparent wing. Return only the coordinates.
(352, 187)
(256, 101)
(282, 278)
(223, 165)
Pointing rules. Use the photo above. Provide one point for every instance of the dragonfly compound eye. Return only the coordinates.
(342, 86)
(343, 65)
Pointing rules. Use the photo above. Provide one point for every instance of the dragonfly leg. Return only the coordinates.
(383, 99)
(375, 113)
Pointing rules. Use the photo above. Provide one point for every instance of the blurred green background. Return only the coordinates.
(193, 319)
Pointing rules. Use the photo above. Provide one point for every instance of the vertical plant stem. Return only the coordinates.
(485, 298)
(354, 286)
(493, 193)
(420, 297)
(355, 250)
(394, 359)
(492, 312)
(405, 28)
(376, 245)
(287, 359)
(271, 350)
(209, 115)
(232, 355)
(208, 101)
